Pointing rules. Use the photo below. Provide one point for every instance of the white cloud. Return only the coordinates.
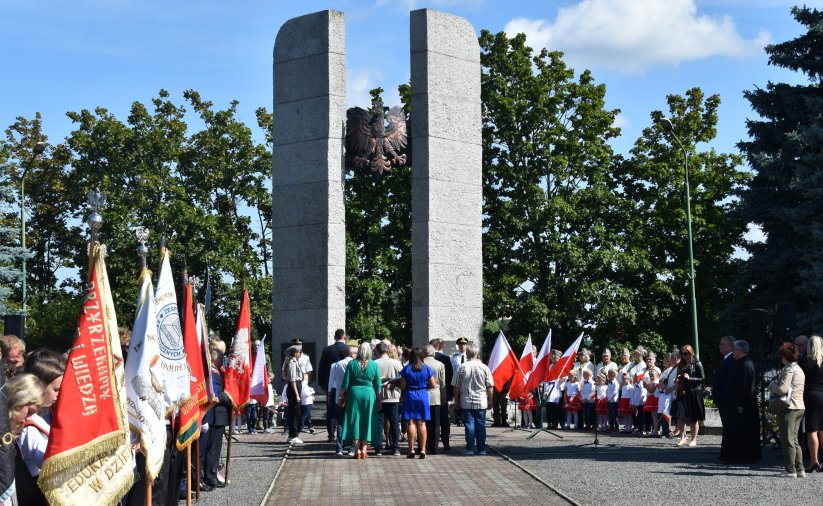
(631, 36)
(621, 121)
(359, 83)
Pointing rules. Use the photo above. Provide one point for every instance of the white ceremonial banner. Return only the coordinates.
(173, 365)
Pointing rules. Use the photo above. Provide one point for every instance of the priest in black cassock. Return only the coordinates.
(741, 439)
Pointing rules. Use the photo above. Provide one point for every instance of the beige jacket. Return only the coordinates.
(436, 394)
(790, 376)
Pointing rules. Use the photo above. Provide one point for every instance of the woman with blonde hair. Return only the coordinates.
(359, 398)
(812, 366)
(25, 396)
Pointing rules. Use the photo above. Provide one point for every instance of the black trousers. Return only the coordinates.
(445, 427)
(331, 420)
(295, 416)
(211, 452)
(433, 429)
(164, 489)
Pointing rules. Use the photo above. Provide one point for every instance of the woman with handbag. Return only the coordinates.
(688, 406)
(787, 403)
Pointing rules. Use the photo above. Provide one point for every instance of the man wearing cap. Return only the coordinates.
(294, 378)
(304, 360)
(458, 359)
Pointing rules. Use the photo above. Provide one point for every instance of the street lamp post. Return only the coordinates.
(669, 127)
(38, 149)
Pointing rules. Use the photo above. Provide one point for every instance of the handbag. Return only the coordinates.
(780, 403)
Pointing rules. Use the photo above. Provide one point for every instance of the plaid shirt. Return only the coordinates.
(473, 381)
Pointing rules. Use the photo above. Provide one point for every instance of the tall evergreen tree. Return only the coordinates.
(10, 251)
(785, 197)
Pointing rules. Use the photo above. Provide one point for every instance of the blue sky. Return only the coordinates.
(69, 55)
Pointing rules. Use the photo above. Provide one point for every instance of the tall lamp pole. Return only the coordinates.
(38, 149)
(669, 127)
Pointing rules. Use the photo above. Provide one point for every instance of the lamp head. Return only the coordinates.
(39, 148)
(667, 124)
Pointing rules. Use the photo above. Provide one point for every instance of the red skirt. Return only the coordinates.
(651, 404)
(602, 406)
(573, 404)
(625, 409)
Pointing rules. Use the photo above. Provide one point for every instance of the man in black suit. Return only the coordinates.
(445, 428)
(330, 355)
(721, 376)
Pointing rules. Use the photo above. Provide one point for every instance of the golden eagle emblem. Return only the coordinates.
(377, 138)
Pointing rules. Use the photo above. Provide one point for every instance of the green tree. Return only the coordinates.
(652, 182)
(205, 191)
(378, 250)
(785, 197)
(551, 249)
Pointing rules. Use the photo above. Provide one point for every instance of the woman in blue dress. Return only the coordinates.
(416, 379)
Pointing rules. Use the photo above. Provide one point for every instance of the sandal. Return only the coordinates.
(410, 455)
(422, 455)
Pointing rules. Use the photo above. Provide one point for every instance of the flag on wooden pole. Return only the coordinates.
(503, 364)
(175, 379)
(88, 459)
(542, 366)
(237, 382)
(564, 364)
(189, 428)
(259, 389)
(144, 392)
(205, 357)
(527, 357)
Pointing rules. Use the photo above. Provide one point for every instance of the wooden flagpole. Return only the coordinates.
(188, 475)
(228, 450)
(147, 499)
(197, 467)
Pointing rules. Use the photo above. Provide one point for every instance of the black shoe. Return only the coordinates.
(205, 487)
(814, 467)
(378, 453)
(214, 484)
(446, 448)
(183, 496)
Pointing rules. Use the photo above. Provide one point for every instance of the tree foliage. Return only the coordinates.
(785, 197)
(203, 191)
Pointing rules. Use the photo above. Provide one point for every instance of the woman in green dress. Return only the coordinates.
(359, 397)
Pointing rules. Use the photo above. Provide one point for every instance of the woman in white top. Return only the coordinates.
(48, 367)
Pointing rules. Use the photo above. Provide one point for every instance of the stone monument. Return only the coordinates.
(447, 179)
(308, 225)
(308, 218)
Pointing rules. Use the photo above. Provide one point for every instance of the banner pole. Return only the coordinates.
(147, 499)
(228, 450)
(197, 467)
(188, 475)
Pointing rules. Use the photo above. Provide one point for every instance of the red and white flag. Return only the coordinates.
(260, 375)
(237, 381)
(189, 428)
(88, 459)
(541, 367)
(503, 364)
(527, 357)
(564, 364)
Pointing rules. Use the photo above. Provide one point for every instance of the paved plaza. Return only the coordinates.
(549, 469)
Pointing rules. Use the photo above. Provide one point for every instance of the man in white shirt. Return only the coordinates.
(473, 384)
(459, 358)
(390, 407)
(338, 371)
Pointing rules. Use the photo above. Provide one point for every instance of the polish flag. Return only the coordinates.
(503, 364)
(527, 357)
(564, 364)
(259, 388)
(541, 368)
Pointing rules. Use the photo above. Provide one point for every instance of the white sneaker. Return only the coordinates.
(790, 474)
(801, 474)
(296, 441)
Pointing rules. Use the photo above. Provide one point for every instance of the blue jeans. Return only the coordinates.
(475, 426)
(338, 415)
(392, 410)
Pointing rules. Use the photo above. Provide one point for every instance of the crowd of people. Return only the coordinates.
(380, 395)
(32, 385)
